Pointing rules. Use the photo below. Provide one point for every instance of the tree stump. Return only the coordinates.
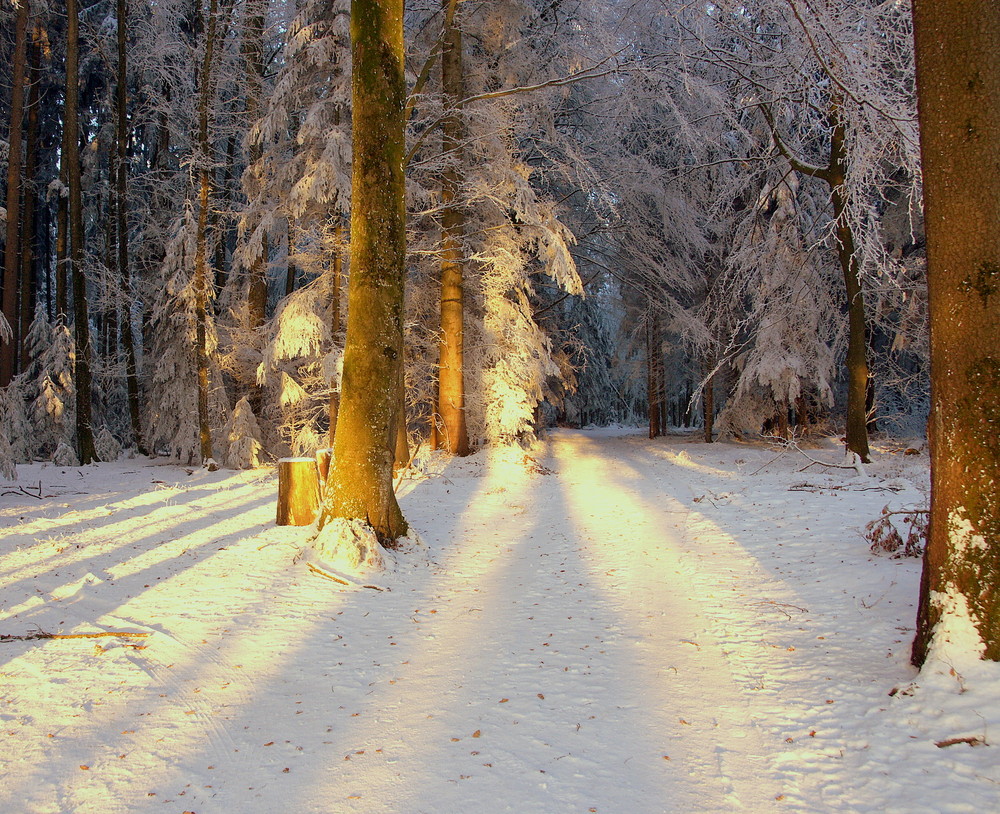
(298, 491)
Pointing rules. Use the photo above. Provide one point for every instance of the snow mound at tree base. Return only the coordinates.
(349, 546)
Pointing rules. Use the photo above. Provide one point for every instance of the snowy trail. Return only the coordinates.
(569, 648)
(604, 625)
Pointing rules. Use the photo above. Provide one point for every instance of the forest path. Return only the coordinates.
(580, 634)
(568, 639)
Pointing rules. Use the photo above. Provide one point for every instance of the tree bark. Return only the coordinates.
(12, 255)
(121, 221)
(201, 271)
(336, 326)
(81, 318)
(361, 482)
(857, 341)
(298, 491)
(958, 78)
(29, 197)
(708, 404)
(253, 54)
(656, 407)
(451, 368)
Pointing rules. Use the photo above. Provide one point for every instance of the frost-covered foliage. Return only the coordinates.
(15, 429)
(108, 447)
(171, 424)
(54, 405)
(727, 234)
(899, 533)
(298, 364)
(65, 455)
(789, 327)
(514, 235)
(242, 435)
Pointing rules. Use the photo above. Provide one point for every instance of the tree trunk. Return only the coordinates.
(654, 394)
(201, 271)
(28, 241)
(708, 404)
(336, 327)
(857, 350)
(253, 54)
(361, 482)
(121, 229)
(62, 236)
(81, 319)
(451, 384)
(959, 106)
(290, 272)
(834, 173)
(12, 256)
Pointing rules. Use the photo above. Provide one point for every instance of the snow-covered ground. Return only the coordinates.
(602, 624)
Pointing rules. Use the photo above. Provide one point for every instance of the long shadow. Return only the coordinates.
(269, 672)
(168, 529)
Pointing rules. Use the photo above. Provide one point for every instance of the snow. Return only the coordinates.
(601, 624)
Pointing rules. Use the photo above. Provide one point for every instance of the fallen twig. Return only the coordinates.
(41, 634)
(20, 490)
(972, 741)
(809, 487)
(781, 606)
(327, 575)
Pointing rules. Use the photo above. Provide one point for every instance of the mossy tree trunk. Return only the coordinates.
(958, 76)
(360, 486)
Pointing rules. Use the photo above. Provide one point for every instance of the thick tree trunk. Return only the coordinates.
(12, 255)
(451, 384)
(81, 320)
(361, 482)
(959, 104)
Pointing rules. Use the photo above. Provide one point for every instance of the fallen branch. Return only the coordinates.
(41, 634)
(809, 487)
(20, 490)
(333, 578)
